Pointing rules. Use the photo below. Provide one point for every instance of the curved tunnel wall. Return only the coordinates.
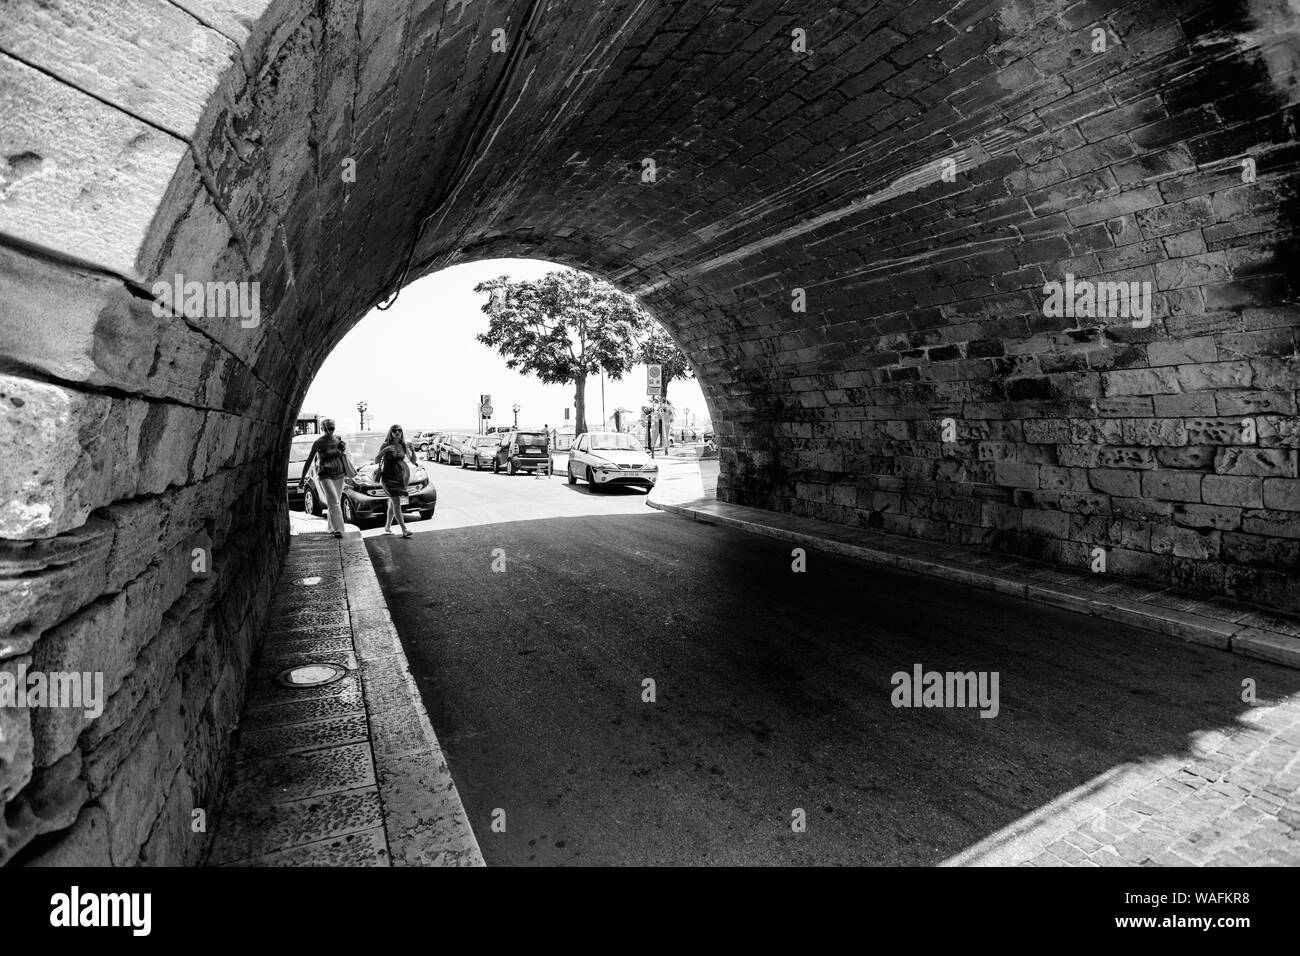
(913, 177)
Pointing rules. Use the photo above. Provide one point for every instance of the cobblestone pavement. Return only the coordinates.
(1234, 801)
(349, 773)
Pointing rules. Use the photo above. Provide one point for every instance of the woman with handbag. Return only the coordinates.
(395, 475)
(335, 465)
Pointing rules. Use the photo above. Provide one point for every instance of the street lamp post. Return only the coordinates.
(515, 408)
(361, 413)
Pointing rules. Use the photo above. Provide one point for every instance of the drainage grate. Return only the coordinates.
(310, 675)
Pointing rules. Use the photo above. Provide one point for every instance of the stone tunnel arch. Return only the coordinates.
(919, 171)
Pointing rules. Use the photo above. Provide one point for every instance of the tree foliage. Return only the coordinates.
(658, 348)
(563, 327)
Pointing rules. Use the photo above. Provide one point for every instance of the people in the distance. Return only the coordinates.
(393, 475)
(333, 452)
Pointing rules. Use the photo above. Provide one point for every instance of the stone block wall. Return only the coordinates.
(912, 174)
(1170, 159)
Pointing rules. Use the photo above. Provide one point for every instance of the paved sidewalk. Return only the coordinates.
(349, 773)
(1234, 802)
(1217, 622)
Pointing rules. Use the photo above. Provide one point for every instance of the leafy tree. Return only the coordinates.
(658, 348)
(563, 327)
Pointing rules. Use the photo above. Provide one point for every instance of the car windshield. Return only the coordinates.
(363, 448)
(614, 441)
(299, 450)
(530, 438)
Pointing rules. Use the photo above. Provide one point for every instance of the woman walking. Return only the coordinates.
(333, 467)
(393, 474)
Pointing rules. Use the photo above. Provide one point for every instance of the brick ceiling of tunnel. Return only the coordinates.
(775, 167)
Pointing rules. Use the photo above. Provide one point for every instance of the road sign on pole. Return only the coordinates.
(654, 380)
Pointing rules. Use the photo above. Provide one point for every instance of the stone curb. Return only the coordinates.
(423, 816)
(1240, 638)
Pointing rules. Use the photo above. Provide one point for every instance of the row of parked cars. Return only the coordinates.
(598, 458)
(512, 451)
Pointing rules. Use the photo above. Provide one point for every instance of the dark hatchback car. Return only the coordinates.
(364, 497)
(523, 451)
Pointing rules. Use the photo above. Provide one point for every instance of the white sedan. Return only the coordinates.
(611, 458)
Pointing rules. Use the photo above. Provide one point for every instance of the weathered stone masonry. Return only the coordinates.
(208, 137)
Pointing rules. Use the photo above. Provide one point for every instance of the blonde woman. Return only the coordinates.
(393, 473)
(333, 468)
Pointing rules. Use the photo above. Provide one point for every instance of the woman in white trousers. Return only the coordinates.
(329, 475)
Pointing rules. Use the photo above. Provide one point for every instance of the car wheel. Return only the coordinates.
(478, 463)
(496, 467)
(349, 515)
(591, 480)
(569, 470)
(426, 515)
(309, 502)
(510, 469)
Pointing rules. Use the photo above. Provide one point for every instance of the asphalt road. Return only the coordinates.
(772, 688)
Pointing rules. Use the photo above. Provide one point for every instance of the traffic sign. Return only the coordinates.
(485, 410)
(654, 380)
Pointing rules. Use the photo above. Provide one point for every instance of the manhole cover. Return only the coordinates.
(310, 675)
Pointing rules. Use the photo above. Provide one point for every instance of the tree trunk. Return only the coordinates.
(666, 380)
(579, 405)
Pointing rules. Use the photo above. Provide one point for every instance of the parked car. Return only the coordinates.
(611, 458)
(448, 448)
(364, 497)
(422, 440)
(523, 451)
(480, 451)
(299, 449)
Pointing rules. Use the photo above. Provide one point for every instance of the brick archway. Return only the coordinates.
(849, 229)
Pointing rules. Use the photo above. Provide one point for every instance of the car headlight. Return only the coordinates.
(651, 466)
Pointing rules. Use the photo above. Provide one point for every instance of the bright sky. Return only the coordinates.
(418, 365)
